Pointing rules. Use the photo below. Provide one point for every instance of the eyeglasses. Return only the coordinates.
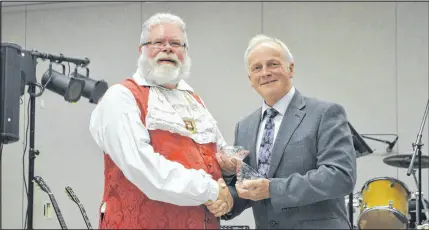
(160, 44)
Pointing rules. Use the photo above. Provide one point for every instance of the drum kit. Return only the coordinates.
(387, 203)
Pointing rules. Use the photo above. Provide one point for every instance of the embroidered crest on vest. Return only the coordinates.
(190, 125)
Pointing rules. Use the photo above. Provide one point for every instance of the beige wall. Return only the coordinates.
(370, 57)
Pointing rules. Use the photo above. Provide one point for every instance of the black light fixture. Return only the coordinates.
(18, 68)
(93, 89)
(69, 87)
(74, 86)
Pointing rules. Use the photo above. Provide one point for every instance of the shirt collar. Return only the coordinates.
(280, 105)
(142, 81)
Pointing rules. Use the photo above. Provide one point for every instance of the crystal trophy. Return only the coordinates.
(245, 172)
(235, 151)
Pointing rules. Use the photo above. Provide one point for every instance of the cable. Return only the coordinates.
(23, 160)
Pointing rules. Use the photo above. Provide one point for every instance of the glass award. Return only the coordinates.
(245, 172)
(235, 151)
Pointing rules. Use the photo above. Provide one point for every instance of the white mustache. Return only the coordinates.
(163, 73)
(164, 56)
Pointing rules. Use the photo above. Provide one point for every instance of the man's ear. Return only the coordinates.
(140, 48)
(291, 69)
(251, 83)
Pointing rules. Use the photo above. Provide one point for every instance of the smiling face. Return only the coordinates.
(167, 46)
(269, 73)
(165, 60)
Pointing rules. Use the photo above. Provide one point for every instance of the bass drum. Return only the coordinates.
(384, 204)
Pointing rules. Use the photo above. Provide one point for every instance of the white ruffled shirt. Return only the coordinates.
(117, 129)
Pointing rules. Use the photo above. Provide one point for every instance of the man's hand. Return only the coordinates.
(227, 164)
(224, 202)
(255, 190)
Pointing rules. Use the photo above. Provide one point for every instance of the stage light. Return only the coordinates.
(93, 89)
(69, 87)
(18, 68)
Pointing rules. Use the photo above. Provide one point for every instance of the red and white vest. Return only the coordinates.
(128, 207)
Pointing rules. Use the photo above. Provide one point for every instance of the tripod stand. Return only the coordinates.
(417, 147)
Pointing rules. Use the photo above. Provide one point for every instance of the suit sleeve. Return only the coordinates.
(335, 173)
(239, 204)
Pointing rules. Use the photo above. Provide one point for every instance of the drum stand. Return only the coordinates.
(351, 212)
(425, 208)
(417, 147)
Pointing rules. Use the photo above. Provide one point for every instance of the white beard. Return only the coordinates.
(161, 74)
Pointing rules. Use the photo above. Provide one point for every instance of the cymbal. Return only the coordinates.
(404, 161)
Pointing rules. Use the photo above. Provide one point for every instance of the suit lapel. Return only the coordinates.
(293, 117)
(253, 135)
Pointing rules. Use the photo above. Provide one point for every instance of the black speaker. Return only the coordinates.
(10, 92)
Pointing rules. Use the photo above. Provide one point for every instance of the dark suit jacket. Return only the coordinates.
(312, 168)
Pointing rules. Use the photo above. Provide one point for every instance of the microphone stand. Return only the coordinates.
(417, 147)
(375, 139)
(388, 149)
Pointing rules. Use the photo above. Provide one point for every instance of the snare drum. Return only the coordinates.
(384, 204)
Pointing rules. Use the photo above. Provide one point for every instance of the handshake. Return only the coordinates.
(250, 184)
(224, 202)
(228, 160)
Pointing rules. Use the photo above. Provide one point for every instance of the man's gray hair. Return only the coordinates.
(261, 38)
(160, 18)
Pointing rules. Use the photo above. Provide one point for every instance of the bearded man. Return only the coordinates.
(159, 141)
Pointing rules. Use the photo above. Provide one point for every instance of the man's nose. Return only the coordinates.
(167, 48)
(266, 72)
